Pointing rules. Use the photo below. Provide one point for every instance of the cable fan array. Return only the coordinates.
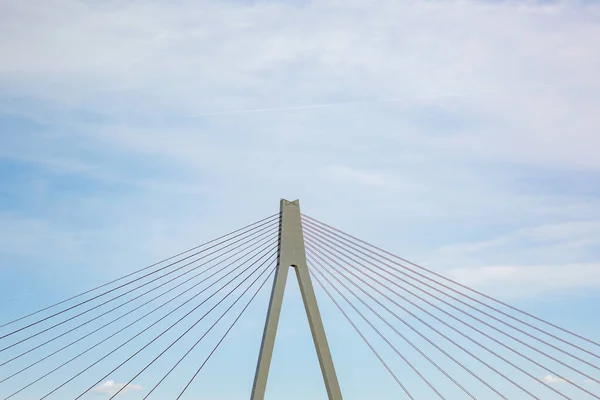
(140, 316)
(435, 337)
(455, 341)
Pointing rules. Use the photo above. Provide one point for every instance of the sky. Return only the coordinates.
(459, 134)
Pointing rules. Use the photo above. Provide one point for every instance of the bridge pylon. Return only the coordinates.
(291, 253)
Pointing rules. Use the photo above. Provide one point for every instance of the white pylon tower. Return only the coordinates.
(292, 254)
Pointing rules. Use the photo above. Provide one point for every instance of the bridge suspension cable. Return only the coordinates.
(411, 284)
(218, 303)
(490, 337)
(341, 256)
(124, 284)
(231, 263)
(353, 252)
(268, 219)
(251, 256)
(224, 335)
(261, 240)
(401, 261)
(370, 308)
(436, 337)
(364, 338)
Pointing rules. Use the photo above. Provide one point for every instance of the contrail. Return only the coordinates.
(322, 105)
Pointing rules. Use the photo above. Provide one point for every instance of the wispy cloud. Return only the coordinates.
(407, 100)
(457, 122)
(110, 388)
(529, 280)
(550, 379)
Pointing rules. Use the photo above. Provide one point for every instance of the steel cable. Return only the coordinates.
(186, 332)
(473, 308)
(363, 337)
(224, 336)
(110, 300)
(150, 326)
(135, 309)
(450, 326)
(135, 272)
(406, 339)
(311, 221)
(471, 326)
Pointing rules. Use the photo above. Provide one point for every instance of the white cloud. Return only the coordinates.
(481, 107)
(559, 243)
(527, 280)
(110, 388)
(534, 84)
(550, 379)
(549, 258)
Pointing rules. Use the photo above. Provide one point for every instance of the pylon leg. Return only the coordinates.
(292, 253)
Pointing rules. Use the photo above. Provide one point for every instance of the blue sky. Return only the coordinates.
(459, 134)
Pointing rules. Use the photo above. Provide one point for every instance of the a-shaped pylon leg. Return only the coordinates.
(292, 254)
